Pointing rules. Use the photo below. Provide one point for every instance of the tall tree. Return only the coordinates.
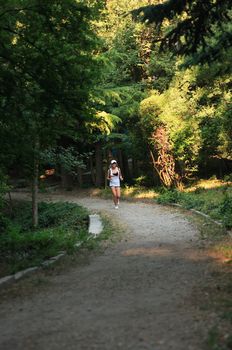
(48, 69)
(192, 24)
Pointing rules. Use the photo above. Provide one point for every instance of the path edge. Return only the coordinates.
(219, 223)
(95, 228)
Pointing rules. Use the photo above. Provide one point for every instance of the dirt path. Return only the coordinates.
(136, 295)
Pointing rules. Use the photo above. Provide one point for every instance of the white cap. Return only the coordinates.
(113, 161)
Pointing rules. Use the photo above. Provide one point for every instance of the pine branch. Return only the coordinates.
(190, 32)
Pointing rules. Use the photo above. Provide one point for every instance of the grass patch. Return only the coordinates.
(224, 249)
(220, 335)
(214, 201)
(212, 197)
(113, 231)
(61, 225)
(217, 341)
(129, 192)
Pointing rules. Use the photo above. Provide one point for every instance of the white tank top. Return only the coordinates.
(115, 179)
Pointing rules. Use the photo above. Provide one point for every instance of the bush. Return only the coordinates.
(61, 226)
(217, 202)
(50, 215)
(228, 178)
(34, 246)
(190, 201)
(225, 210)
(3, 190)
(168, 196)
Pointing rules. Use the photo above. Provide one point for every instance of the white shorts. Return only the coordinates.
(115, 183)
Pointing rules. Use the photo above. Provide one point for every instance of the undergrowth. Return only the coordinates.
(212, 197)
(216, 202)
(61, 225)
(220, 335)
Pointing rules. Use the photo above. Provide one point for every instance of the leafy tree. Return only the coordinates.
(126, 76)
(170, 123)
(195, 22)
(191, 106)
(48, 70)
(100, 128)
(201, 32)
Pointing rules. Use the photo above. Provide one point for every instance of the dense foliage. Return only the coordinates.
(61, 225)
(48, 70)
(82, 82)
(188, 101)
(195, 24)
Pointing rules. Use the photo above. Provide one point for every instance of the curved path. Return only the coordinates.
(136, 295)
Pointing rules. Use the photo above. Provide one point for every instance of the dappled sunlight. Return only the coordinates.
(194, 255)
(146, 194)
(47, 173)
(151, 251)
(222, 251)
(128, 191)
(139, 192)
(208, 184)
(95, 192)
(178, 252)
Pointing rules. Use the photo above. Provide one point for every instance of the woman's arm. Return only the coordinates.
(120, 174)
(108, 175)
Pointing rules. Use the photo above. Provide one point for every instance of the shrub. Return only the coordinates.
(3, 190)
(50, 215)
(225, 210)
(168, 196)
(61, 225)
(228, 178)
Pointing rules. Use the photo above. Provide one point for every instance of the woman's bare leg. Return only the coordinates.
(114, 192)
(118, 194)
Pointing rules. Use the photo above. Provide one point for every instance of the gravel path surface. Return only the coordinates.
(136, 295)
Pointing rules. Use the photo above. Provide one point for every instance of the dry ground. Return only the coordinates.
(137, 294)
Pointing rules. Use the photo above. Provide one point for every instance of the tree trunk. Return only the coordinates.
(106, 167)
(134, 168)
(80, 177)
(126, 170)
(63, 176)
(10, 204)
(93, 177)
(99, 167)
(35, 186)
(120, 160)
(66, 179)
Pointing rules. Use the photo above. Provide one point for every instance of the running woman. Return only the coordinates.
(114, 176)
